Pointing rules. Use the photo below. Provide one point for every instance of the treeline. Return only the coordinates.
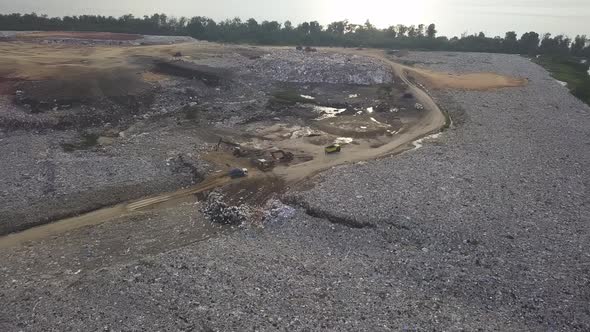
(342, 33)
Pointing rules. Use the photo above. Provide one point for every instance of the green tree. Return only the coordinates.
(337, 28)
(420, 30)
(578, 45)
(391, 32)
(369, 26)
(431, 31)
(529, 43)
(510, 42)
(412, 31)
(288, 26)
(402, 30)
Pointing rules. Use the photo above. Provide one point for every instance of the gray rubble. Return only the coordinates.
(42, 182)
(315, 67)
(483, 228)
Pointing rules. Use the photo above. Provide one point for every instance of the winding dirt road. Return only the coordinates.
(432, 121)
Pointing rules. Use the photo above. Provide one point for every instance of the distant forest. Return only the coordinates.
(342, 33)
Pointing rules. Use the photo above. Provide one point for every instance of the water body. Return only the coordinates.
(453, 17)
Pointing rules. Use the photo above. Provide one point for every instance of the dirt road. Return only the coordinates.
(430, 121)
(105, 214)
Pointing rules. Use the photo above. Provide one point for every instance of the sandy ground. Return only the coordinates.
(444, 80)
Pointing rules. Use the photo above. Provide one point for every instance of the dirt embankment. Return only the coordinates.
(470, 81)
(446, 80)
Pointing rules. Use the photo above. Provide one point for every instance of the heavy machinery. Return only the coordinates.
(238, 173)
(263, 164)
(334, 148)
(239, 152)
(282, 156)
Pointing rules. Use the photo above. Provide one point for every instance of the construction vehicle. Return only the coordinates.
(263, 164)
(221, 141)
(239, 152)
(334, 148)
(238, 173)
(282, 156)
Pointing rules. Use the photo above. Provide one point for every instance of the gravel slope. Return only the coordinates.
(484, 228)
(40, 182)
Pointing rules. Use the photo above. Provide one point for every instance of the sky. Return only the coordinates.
(452, 17)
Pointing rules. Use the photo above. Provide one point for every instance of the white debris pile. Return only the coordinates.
(343, 140)
(327, 112)
(304, 132)
(218, 211)
(316, 67)
(277, 211)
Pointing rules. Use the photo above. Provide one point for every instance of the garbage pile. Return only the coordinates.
(278, 211)
(320, 67)
(218, 211)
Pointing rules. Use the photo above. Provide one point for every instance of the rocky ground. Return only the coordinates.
(483, 228)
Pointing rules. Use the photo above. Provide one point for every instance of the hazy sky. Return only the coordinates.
(453, 17)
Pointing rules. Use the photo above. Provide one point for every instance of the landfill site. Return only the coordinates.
(165, 183)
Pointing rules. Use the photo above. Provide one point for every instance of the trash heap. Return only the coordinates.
(319, 67)
(218, 211)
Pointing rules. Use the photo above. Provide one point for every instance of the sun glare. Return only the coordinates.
(381, 13)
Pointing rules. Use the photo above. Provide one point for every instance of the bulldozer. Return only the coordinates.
(282, 156)
(263, 164)
(239, 152)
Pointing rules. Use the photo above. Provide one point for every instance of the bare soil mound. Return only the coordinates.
(470, 81)
(107, 84)
(210, 76)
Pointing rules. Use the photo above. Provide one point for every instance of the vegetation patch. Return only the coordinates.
(569, 70)
(385, 91)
